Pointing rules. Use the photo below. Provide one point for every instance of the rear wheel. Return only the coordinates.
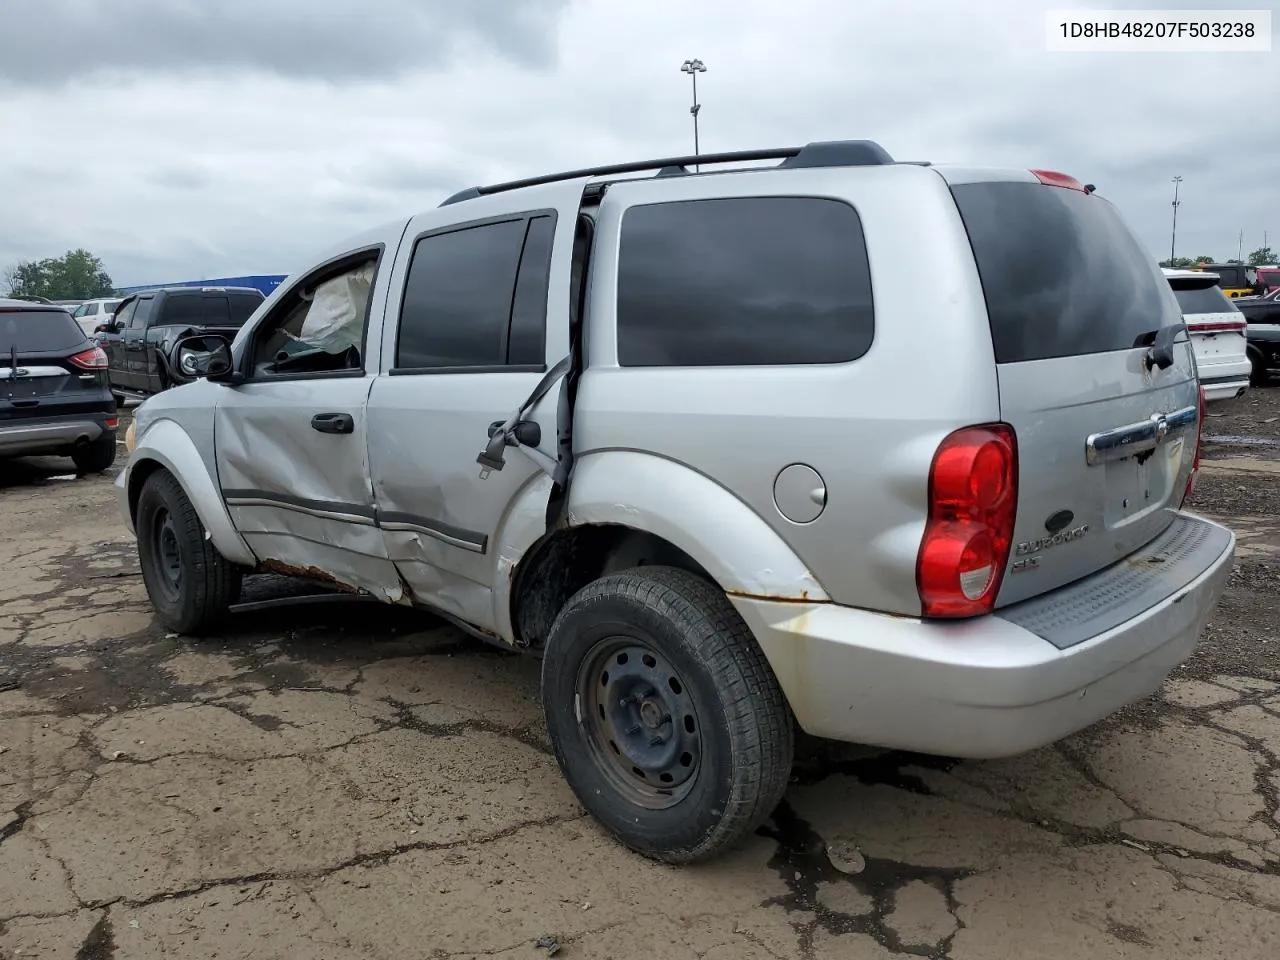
(190, 584)
(97, 455)
(666, 719)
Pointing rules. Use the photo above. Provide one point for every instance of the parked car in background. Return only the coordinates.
(1268, 280)
(1263, 317)
(657, 428)
(54, 397)
(140, 336)
(93, 314)
(1217, 332)
(1235, 279)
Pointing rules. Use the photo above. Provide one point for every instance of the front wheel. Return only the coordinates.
(666, 719)
(191, 585)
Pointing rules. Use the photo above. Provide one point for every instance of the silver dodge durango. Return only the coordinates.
(704, 443)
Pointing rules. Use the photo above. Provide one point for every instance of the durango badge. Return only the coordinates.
(1044, 543)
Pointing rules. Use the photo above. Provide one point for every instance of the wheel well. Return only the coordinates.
(137, 477)
(566, 561)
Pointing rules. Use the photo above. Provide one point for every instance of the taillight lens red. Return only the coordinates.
(95, 358)
(1195, 462)
(973, 501)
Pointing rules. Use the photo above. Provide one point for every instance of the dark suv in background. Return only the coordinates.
(54, 395)
(140, 336)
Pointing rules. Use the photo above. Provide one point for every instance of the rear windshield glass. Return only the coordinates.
(242, 307)
(1063, 276)
(1202, 299)
(37, 331)
(210, 309)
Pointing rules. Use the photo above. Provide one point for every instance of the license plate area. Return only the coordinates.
(25, 388)
(1138, 484)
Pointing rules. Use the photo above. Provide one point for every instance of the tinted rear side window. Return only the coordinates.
(1202, 299)
(526, 344)
(37, 331)
(183, 308)
(457, 299)
(746, 281)
(1063, 276)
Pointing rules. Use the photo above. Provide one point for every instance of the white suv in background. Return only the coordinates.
(1217, 331)
(94, 313)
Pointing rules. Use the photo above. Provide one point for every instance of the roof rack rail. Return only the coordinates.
(830, 153)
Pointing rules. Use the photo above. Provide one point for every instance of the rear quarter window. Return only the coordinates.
(1062, 274)
(744, 281)
(37, 331)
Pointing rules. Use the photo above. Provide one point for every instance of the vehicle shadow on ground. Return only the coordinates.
(36, 471)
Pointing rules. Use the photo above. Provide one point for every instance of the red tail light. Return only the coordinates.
(1195, 462)
(1221, 326)
(973, 500)
(1052, 178)
(95, 358)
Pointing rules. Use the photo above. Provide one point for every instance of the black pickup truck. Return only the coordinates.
(1263, 316)
(140, 337)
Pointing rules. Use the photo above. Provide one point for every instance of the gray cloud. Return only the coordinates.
(52, 41)
(250, 164)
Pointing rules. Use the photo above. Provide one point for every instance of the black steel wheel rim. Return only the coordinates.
(167, 558)
(639, 721)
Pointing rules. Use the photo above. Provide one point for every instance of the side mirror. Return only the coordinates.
(207, 355)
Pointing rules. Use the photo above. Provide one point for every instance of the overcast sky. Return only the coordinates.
(189, 140)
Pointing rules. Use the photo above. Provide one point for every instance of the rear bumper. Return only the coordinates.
(1226, 381)
(19, 439)
(979, 688)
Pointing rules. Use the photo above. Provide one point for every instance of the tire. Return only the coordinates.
(607, 655)
(97, 455)
(1261, 376)
(190, 584)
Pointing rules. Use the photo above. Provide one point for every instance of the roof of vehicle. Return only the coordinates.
(833, 153)
(1188, 274)
(10, 304)
(181, 289)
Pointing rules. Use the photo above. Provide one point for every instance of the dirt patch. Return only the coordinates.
(348, 780)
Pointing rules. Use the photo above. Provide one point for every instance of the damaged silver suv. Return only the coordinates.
(682, 435)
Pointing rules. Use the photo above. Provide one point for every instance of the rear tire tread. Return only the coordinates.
(761, 729)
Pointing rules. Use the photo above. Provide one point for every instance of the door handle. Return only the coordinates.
(333, 423)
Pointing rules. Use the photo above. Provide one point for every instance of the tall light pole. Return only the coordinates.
(693, 68)
(1173, 241)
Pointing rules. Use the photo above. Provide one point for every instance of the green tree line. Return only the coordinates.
(1262, 255)
(76, 275)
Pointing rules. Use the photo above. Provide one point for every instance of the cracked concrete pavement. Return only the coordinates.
(346, 780)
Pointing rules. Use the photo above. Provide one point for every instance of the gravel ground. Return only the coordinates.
(347, 780)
